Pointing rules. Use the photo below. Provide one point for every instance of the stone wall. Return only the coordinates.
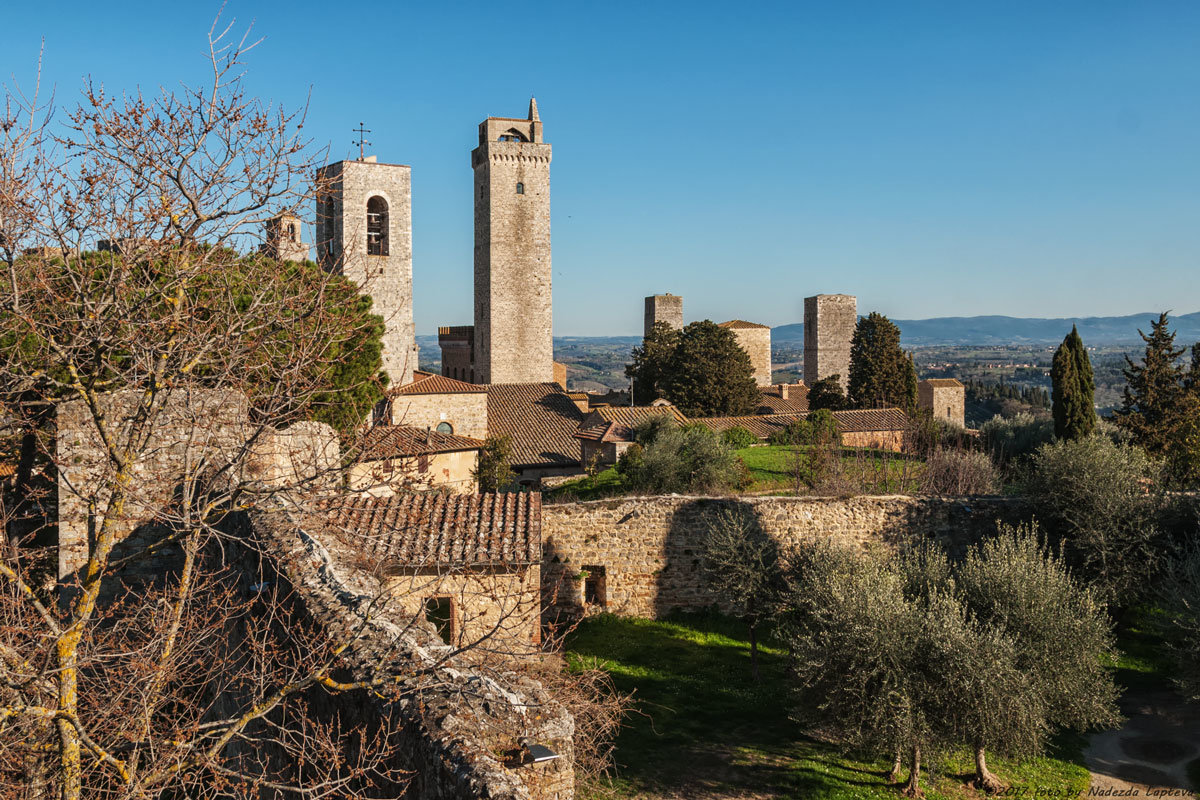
(651, 553)
(756, 342)
(465, 411)
(945, 399)
(829, 322)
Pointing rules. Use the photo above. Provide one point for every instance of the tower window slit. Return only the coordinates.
(377, 227)
(520, 188)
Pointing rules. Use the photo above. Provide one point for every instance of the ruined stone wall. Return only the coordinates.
(650, 548)
(666, 308)
(513, 314)
(465, 411)
(829, 321)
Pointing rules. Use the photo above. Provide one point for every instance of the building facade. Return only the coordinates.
(364, 231)
(667, 308)
(945, 398)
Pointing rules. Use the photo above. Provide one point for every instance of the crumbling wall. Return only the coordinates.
(651, 548)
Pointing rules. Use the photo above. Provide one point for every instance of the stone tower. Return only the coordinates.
(755, 339)
(364, 231)
(829, 321)
(513, 325)
(284, 239)
(666, 308)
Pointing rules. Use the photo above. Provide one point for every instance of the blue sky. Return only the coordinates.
(935, 159)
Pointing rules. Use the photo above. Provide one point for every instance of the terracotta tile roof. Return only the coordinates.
(871, 419)
(941, 383)
(541, 420)
(616, 423)
(428, 529)
(741, 323)
(7, 469)
(394, 441)
(761, 425)
(428, 383)
(773, 403)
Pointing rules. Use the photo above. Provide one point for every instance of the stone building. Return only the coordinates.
(364, 231)
(541, 420)
(513, 315)
(607, 432)
(395, 458)
(755, 339)
(284, 241)
(441, 404)
(667, 308)
(829, 322)
(945, 398)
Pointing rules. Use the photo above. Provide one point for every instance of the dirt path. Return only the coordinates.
(1148, 755)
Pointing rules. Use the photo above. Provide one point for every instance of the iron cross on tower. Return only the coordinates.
(362, 132)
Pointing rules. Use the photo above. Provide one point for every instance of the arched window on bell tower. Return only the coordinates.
(377, 226)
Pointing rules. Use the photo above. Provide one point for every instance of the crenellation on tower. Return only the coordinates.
(829, 322)
(364, 231)
(513, 311)
(666, 308)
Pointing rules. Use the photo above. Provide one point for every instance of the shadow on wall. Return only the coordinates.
(683, 583)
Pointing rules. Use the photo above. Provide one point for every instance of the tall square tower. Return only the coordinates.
(829, 322)
(513, 318)
(666, 308)
(364, 231)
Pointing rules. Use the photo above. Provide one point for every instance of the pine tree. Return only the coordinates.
(1155, 391)
(881, 374)
(709, 374)
(651, 361)
(1074, 389)
(827, 393)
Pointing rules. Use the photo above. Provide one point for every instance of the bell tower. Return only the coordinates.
(364, 231)
(513, 316)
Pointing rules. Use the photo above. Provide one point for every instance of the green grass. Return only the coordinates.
(701, 727)
(591, 487)
(1141, 662)
(773, 467)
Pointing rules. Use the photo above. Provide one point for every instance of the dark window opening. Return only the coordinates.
(423, 463)
(948, 414)
(291, 232)
(595, 586)
(513, 135)
(445, 427)
(328, 215)
(377, 227)
(520, 188)
(439, 611)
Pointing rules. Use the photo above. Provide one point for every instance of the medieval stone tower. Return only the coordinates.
(364, 231)
(829, 321)
(513, 325)
(283, 239)
(666, 308)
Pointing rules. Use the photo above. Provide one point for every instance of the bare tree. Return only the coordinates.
(163, 652)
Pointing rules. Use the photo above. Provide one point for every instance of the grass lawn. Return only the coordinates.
(773, 467)
(701, 728)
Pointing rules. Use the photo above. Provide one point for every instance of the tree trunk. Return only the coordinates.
(897, 764)
(985, 779)
(754, 650)
(913, 787)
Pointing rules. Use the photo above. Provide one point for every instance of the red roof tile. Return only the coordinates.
(429, 529)
(773, 403)
(394, 441)
(540, 418)
(428, 383)
(741, 323)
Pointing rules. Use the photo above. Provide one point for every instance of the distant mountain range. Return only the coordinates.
(947, 331)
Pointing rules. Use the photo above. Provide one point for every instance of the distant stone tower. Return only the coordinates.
(513, 320)
(666, 308)
(364, 231)
(829, 321)
(284, 240)
(755, 339)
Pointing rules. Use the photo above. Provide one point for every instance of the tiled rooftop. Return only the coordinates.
(428, 383)
(395, 441)
(741, 323)
(941, 383)
(430, 529)
(540, 418)
(616, 423)
(773, 403)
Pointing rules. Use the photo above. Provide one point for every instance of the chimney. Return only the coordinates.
(783, 391)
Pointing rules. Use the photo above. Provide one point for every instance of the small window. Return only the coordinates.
(423, 463)
(595, 586)
(439, 611)
(948, 414)
(291, 232)
(445, 427)
(520, 188)
(377, 227)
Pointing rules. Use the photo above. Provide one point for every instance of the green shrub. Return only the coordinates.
(739, 438)
(817, 427)
(668, 458)
(959, 472)
(1008, 440)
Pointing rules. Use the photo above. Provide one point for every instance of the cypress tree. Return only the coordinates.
(1154, 393)
(1074, 389)
(881, 374)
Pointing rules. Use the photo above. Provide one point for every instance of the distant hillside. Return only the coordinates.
(946, 331)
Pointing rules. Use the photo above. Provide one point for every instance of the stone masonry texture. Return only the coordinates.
(944, 400)
(757, 344)
(513, 318)
(666, 308)
(651, 548)
(829, 321)
(342, 246)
